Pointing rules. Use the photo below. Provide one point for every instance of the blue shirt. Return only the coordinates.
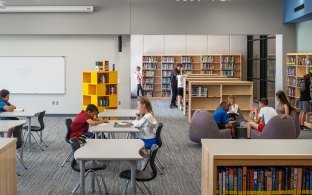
(220, 116)
(2, 104)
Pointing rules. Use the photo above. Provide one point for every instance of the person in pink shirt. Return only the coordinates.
(139, 81)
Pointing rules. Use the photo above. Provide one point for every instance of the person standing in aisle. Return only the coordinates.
(304, 101)
(139, 81)
(180, 78)
(174, 85)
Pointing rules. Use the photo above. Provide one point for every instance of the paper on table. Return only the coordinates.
(102, 124)
(18, 110)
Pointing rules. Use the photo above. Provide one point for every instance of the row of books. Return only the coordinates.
(149, 66)
(200, 91)
(291, 71)
(167, 66)
(207, 72)
(228, 73)
(166, 80)
(207, 59)
(187, 59)
(187, 66)
(207, 66)
(148, 80)
(291, 91)
(228, 66)
(166, 73)
(148, 86)
(168, 59)
(264, 180)
(150, 59)
(227, 59)
(166, 93)
(299, 61)
(148, 73)
(148, 93)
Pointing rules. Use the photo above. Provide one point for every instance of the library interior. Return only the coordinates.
(155, 97)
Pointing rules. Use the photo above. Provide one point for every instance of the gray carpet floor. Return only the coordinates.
(180, 156)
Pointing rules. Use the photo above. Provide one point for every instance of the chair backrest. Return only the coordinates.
(204, 126)
(68, 123)
(40, 120)
(17, 133)
(295, 116)
(278, 127)
(152, 158)
(158, 132)
(75, 145)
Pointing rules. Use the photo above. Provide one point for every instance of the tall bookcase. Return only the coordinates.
(229, 153)
(157, 69)
(100, 88)
(298, 64)
(209, 94)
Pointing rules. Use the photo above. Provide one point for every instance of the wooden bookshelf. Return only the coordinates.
(217, 91)
(200, 77)
(218, 153)
(100, 88)
(298, 64)
(8, 181)
(157, 69)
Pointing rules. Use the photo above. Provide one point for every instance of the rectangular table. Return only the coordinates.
(25, 113)
(110, 128)
(5, 125)
(119, 113)
(110, 149)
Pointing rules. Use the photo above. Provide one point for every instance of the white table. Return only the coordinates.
(25, 113)
(110, 128)
(119, 113)
(5, 125)
(110, 149)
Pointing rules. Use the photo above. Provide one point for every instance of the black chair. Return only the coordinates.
(142, 176)
(68, 123)
(17, 133)
(90, 166)
(158, 132)
(37, 129)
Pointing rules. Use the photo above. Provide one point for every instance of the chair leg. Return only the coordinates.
(147, 188)
(67, 159)
(139, 187)
(160, 170)
(37, 142)
(21, 161)
(104, 184)
(162, 166)
(125, 191)
(75, 188)
(41, 139)
(99, 186)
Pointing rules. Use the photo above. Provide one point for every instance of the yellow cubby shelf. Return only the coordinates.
(100, 88)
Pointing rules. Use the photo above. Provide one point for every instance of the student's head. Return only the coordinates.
(179, 66)
(231, 100)
(138, 68)
(263, 102)
(92, 110)
(4, 95)
(144, 105)
(281, 97)
(224, 105)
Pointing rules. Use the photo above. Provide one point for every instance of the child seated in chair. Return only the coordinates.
(80, 124)
(265, 114)
(146, 122)
(221, 117)
(233, 108)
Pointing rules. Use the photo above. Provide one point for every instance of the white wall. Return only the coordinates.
(81, 52)
(185, 44)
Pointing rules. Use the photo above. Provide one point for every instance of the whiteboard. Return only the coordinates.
(32, 74)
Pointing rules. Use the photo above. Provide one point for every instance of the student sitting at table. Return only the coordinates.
(146, 122)
(221, 117)
(6, 106)
(80, 124)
